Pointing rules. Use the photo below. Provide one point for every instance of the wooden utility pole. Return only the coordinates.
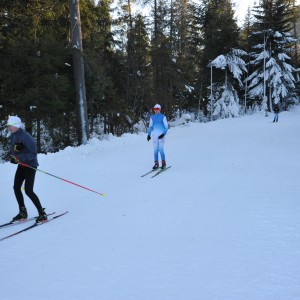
(78, 69)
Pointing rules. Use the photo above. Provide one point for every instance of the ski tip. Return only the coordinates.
(59, 215)
(103, 195)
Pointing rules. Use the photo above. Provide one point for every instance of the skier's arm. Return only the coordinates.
(150, 128)
(166, 125)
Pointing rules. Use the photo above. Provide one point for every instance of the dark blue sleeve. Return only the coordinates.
(29, 154)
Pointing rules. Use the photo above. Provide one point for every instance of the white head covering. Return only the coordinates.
(14, 121)
(157, 106)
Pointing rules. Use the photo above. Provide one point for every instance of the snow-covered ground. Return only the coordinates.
(223, 223)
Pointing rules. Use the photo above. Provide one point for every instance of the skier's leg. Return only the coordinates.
(18, 181)
(155, 148)
(29, 183)
(161, 144)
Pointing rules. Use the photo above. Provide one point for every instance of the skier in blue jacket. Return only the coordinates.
(158, 127)
(24, 153)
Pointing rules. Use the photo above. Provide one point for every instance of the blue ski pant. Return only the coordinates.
(158, 146)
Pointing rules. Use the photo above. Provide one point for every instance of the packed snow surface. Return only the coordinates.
(223, 223)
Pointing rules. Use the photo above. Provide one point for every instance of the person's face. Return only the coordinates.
(12, 129)
(156, 110)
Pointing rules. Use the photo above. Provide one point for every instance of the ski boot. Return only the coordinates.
(42, 218)
(156, 166)
(163, 164)
(21, 216)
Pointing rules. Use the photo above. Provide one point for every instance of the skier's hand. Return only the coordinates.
(14, 160)
(148, 138)
(19, 147)
(161, 136)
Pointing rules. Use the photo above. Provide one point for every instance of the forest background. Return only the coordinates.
(192, 58)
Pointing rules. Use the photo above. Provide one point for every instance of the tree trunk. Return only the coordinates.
(78, 68)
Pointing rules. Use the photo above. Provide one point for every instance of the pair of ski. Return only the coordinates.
(31, 226)
(157, 172)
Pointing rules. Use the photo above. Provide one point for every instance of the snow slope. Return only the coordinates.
(221, 224)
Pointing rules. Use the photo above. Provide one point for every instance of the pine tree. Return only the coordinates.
(138, 59)
(161, 58)
(225, 97)
(226, 101)
(34, 78)
(272, 77)
(186, 49)
(105, 103)
(220, 33)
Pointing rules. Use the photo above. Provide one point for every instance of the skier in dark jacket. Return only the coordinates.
(276, 113)
(24, 153)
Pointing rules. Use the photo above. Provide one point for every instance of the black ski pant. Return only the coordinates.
(26, 174)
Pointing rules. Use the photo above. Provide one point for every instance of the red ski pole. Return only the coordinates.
(83, 187)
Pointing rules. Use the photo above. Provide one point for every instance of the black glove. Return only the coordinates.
(14, 160)
(148, 138)
(161, 136)
(18, 147)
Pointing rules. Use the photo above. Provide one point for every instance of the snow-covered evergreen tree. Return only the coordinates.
(279, 79)
(225, 96)
(272, 77)
(227, 102)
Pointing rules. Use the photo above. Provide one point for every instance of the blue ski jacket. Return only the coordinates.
(158, 124)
